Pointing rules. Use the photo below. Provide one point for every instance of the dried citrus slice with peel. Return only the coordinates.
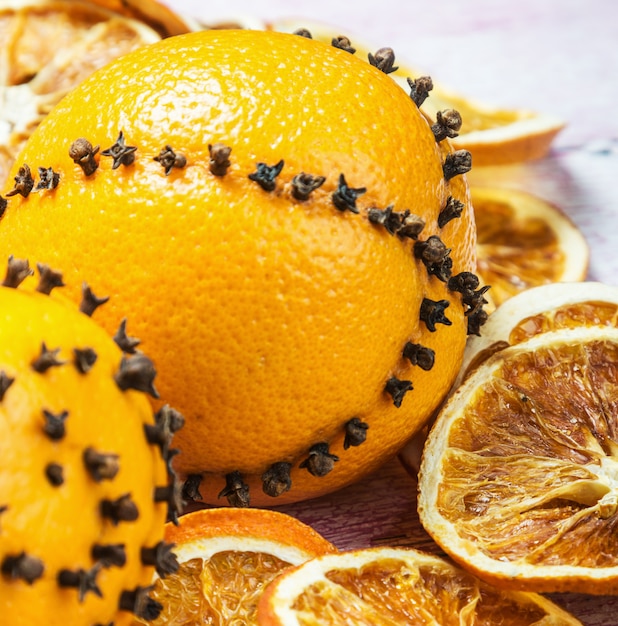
(226, 558)
(46, 48)
(540, 309)
(524, 241)
(494, 136)
(518, 478)
(390, 586)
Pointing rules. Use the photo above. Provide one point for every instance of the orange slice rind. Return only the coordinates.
(390, 586)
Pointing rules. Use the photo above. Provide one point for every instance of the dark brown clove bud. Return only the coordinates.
(54, 426)
(219, 158)
(456, 163)
(84, 359)
(123, 341)
(432, 313)
(22, 566)
(397, 389)
(137, 372)
(276, 480)
(419, 355)
(320, 461)
(122, 509)
(170, 159)
(82, 153)
(167, 422)
(101, 465)
(46, 359)
(463, 282)
(83, 580)
(49, 279)
(3, 204)
(435, 256)
(476, 319)
(391, 220)
(236, 490)
(48, 179)
(265, 175)
(23, 182)
(343, 43)
(16, 272)
(120, 152)
(55, 474)
(303, 184)
(5, 382)
(411, 226)
(303, 32)
(383, 59)
(355, 433)
(191, 488)
(419, 89)
(448, 124)
(108, 555)
(161, 557)
(140, 603)
(452, 209)
(171, 494)
(344, 197)
(90, 303)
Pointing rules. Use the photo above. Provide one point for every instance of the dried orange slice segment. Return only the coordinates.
(524, 241)
(226, 558)
(494, 136)
(391, 586)
(541, 309)
(46, 48)
(518, 477)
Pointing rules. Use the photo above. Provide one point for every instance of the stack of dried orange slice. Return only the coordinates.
(518, 478)
(48, 46)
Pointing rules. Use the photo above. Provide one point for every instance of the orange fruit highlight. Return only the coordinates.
(388, 586)
(227, 556)
(81, 526)
(517, 477)
(298, 319)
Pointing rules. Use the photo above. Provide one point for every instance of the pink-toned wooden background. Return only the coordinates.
(553, 56)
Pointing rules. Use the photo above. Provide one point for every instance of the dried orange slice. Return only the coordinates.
(494, 136)
(518, 477)
(524, 241)
(226, 558)
(46, 48)
(391, 586)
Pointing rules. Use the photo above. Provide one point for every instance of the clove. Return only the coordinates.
(236, 490)
(276, 480)
(320, 461)
(82, 153)
(397, 389)
(120, 152)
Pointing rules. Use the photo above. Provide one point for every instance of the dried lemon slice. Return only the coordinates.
(48, 46)
(391, 586)
(494, 136)
(518, 477)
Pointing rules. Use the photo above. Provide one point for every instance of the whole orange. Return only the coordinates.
(284, 315)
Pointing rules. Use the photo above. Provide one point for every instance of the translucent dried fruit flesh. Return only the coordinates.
(386, 587)
(525, 459)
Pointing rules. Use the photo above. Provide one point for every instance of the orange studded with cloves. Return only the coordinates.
(280, 223)
(85, 483)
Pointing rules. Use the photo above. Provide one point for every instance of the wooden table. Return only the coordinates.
(554, 56)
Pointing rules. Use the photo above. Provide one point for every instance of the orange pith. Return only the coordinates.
(226, 559)
(273, 321)
(517, 476)
(389, 586)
